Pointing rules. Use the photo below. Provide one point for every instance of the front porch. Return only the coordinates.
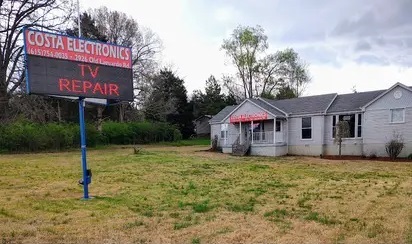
(262, 137)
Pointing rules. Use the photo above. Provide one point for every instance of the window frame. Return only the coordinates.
(224, 131)
(280, 126)
(335, 118)
(359, 126)
(306, 128)
(391, 116)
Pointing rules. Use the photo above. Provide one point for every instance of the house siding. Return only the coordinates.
(378, 129)
(268, 150)
(299, 146)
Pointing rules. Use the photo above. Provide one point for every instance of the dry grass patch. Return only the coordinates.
(187, 195)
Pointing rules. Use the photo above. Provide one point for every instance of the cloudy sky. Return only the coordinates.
(366, 44)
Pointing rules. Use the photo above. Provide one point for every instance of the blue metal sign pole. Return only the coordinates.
(83, 148)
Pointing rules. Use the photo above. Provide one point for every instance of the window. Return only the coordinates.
(223, 131)
(350, 118)
(307, 128)
(353, 125)
(398, 115)
(359, 125)
(278, 126)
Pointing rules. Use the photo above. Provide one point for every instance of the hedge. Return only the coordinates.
(29, 137)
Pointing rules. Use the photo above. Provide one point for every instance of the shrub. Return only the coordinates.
(27, 136)
(215, 143)
(410, 156)
(177, 136)
(394, 146)
(138, 132)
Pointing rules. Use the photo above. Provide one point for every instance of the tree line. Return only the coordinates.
(160, 94)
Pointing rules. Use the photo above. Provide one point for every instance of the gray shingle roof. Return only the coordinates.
(222, 114)
(353, 101)
(310, 104)
(304, 105)
(268, 107)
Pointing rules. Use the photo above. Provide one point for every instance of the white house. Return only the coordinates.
(306, 125)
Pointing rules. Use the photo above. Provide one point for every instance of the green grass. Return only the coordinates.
(189, 142)
(187, 195)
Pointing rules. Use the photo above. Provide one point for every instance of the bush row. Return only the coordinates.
(27, 136)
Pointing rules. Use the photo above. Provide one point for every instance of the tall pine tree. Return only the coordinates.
(168, 102)
(212, 101)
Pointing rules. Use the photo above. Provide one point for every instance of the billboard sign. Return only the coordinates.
(68, 66)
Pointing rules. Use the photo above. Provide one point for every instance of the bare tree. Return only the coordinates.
(124, 30)
(342, 131)
(14, 15)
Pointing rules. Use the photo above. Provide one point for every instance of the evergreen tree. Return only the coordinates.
(212, 101)
(88, 28)
(168, 102)
(285, 92)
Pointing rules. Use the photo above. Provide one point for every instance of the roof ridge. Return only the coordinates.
(274, 100)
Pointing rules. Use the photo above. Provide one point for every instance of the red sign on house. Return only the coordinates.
(248, 117)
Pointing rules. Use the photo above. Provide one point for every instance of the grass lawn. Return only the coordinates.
(170, 194)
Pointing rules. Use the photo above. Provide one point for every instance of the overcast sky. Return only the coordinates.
(365, 44)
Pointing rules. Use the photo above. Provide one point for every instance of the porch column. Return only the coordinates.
(251, 130)
(274, 130)
(240, 132)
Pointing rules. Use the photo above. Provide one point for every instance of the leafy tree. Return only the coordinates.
(293, 71)
(168, 102)
(258, 74)
(14, 15)
(342, 131)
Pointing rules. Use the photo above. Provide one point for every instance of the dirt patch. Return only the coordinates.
(353, 157)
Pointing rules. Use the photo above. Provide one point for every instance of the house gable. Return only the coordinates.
(398, 96)
(248, 110)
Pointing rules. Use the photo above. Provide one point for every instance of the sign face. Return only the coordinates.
(248, 117)
(68, 66)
